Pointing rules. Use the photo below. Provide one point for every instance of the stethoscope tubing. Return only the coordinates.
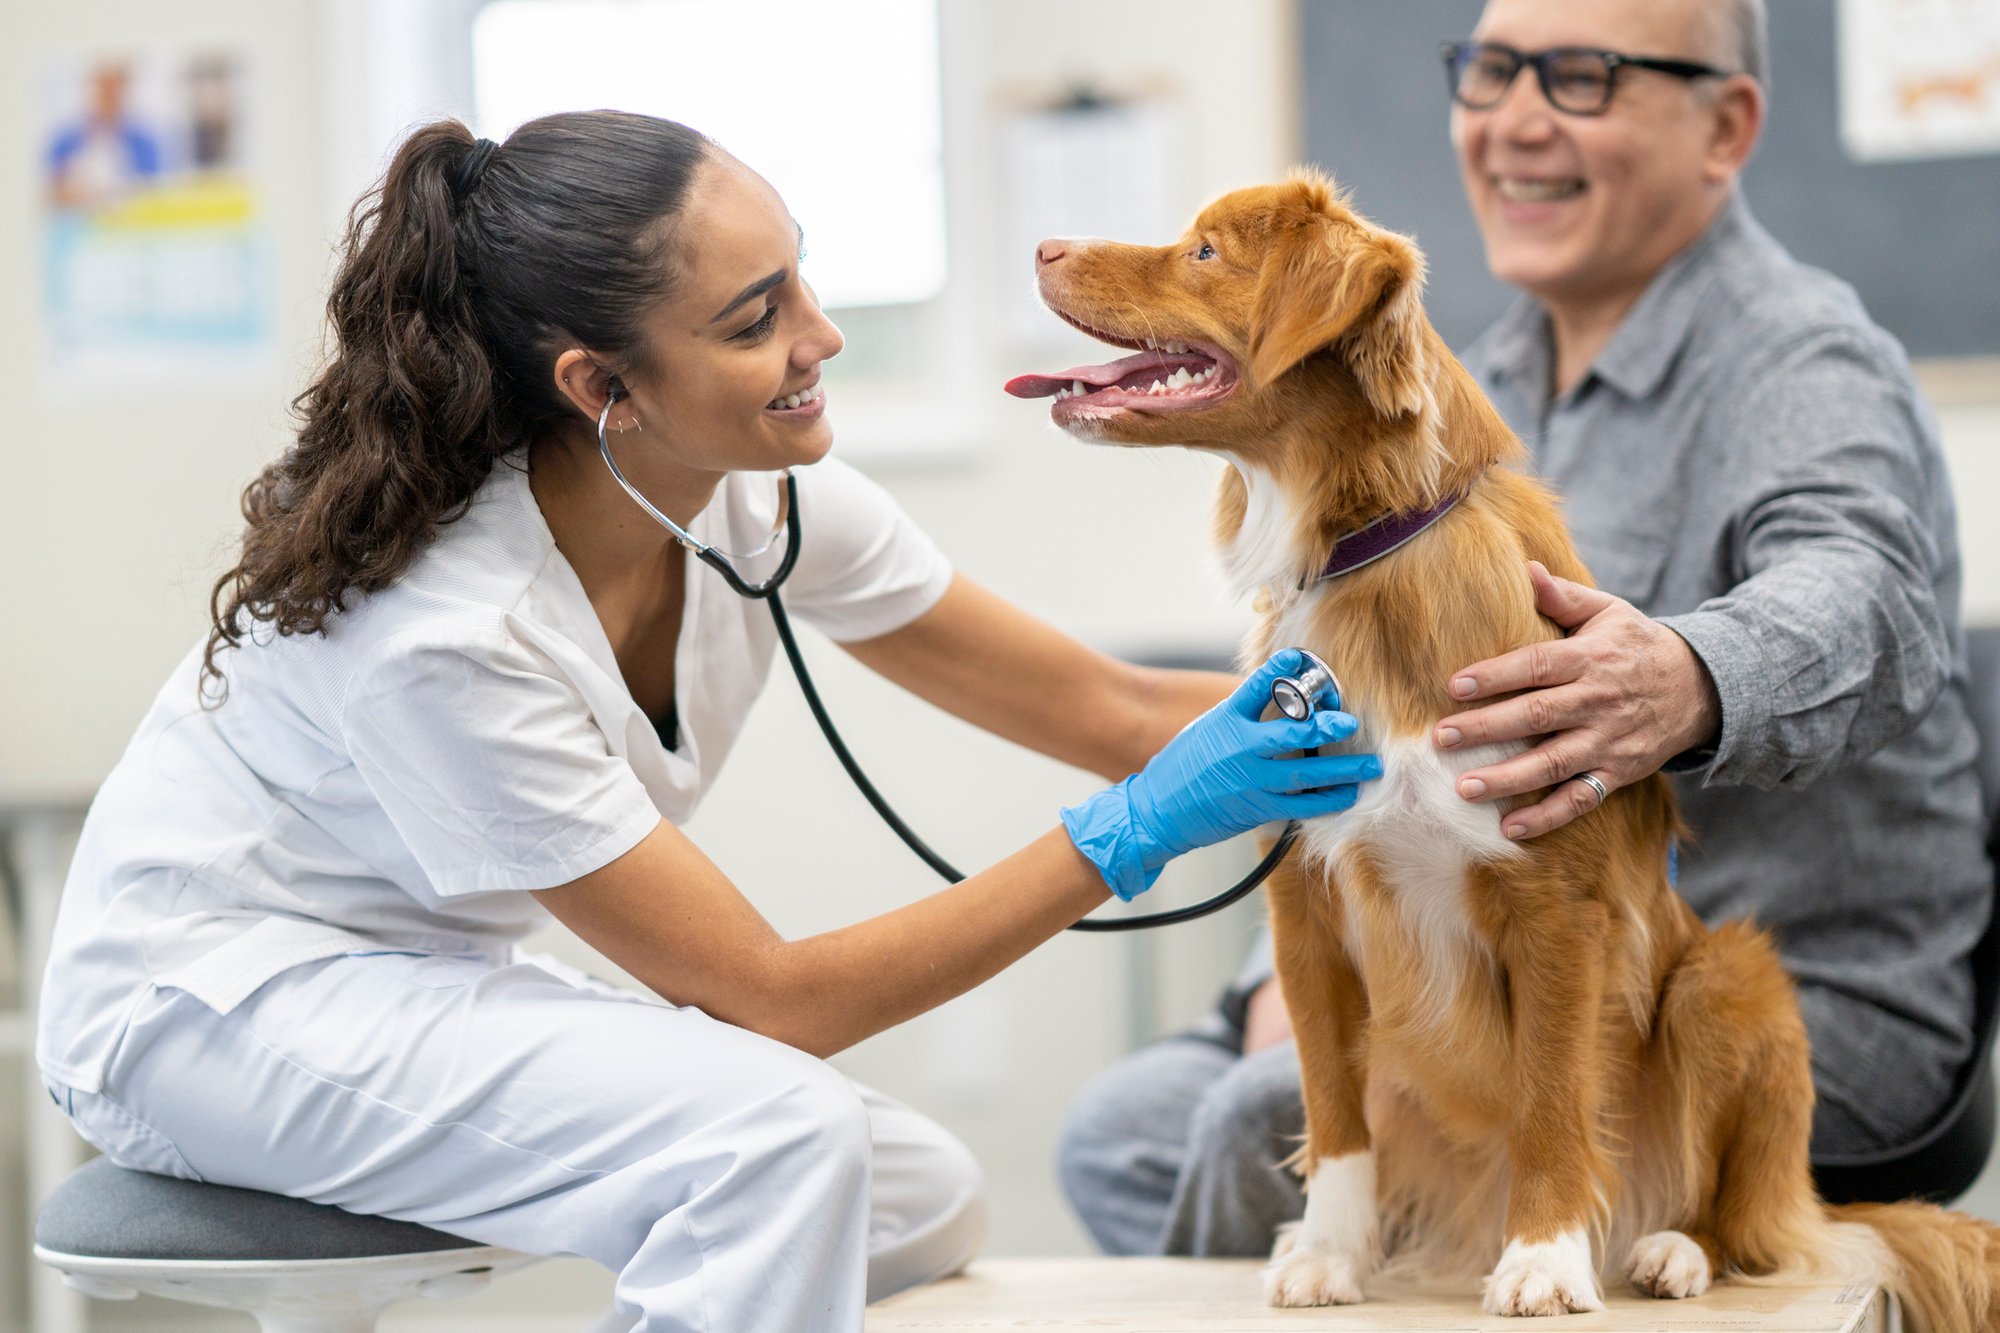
(766, 591)
(951, 873)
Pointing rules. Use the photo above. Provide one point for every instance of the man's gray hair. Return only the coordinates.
(1746, 37)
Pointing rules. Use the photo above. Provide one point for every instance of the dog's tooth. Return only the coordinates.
(1149, 344)
(1157, 387)
(1177, 347)
(1076, 386)
(1179, 379)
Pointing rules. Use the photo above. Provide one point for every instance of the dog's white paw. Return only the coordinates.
(1543, 1278)
(1313, 1276)
(1669, 1265)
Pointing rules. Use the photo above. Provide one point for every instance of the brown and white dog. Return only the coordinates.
(1529, 1060)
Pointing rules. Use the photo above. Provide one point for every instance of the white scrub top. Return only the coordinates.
(395, 783)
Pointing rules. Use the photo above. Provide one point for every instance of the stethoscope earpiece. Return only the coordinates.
(718, 560)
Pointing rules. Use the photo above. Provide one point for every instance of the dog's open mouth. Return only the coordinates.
(1163, 375)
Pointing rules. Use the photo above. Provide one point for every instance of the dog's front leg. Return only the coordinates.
(1324, 1259)
(1552, 954)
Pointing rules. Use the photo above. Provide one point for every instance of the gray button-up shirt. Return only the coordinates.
(1749, 461)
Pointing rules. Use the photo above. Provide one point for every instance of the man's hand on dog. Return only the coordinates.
(1618, 698)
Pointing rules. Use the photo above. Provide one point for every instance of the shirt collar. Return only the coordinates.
(1519, 347)
(1655, 329)
(1516, 348)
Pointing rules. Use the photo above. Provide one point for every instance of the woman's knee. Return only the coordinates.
(819, 1112)
(929, 1208)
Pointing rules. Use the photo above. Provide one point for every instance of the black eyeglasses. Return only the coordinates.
(1577, 79)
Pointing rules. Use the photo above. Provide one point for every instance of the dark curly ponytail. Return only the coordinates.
(456, 291)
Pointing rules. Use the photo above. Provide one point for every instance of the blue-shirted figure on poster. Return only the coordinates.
(109, 152)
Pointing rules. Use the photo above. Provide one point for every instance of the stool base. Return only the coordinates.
(304, 1296)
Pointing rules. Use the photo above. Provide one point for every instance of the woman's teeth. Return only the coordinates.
(1180, 379)
(799, 399)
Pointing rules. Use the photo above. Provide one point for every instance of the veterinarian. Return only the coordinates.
(459, 684)
(1754, 481)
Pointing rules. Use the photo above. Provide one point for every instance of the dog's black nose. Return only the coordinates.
(1048, 252)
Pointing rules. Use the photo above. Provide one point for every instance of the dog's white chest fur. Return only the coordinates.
(1423, 836)
(1411, 821)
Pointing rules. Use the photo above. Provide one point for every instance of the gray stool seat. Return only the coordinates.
(298, 1267)
(105, 1211)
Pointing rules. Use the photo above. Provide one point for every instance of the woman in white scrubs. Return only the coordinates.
(458, 683)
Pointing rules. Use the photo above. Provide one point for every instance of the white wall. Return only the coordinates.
(1966, 395)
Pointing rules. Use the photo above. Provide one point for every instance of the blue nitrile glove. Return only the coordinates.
(1220, 777)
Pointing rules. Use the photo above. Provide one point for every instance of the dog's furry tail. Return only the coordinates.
(1944, 1267)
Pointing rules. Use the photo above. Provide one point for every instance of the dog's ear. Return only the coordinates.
(1352, 288)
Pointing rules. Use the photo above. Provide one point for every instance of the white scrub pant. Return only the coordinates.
(732, 1182)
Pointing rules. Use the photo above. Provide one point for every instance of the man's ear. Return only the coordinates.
(1354, 290)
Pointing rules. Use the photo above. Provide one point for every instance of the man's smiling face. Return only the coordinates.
(1588, 208)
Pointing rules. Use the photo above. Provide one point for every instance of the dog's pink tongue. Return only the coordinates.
(1035, 386)
(1096, 377)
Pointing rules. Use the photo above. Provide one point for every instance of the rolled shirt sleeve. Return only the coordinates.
(489, 764)
(1830, 643)
(865, 568)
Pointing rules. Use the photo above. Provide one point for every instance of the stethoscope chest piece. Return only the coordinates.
(1299, 697)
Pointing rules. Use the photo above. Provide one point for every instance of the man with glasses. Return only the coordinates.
(1753, 480)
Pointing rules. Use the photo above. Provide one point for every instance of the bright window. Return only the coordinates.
(835, 104)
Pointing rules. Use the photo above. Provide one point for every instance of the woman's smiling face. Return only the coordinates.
(738, 336)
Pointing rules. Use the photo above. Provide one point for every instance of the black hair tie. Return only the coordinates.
(472, 167)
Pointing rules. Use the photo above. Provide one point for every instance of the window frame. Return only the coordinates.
(393, 64)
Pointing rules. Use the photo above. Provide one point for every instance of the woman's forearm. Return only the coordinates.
(1164, 702)
(824, 993)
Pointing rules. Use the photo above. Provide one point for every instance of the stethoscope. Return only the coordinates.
(1297, 697)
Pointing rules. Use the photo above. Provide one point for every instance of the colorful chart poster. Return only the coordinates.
(1919, 78)
(156, 251)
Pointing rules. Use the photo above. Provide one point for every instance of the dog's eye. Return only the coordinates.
(1207, 251)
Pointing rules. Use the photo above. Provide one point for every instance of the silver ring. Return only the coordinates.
(1590, 780)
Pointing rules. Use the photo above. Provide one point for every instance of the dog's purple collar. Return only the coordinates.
(1367, 545)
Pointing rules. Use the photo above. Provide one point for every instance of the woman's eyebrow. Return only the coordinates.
(755, 289)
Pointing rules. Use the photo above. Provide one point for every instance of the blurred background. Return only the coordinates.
(179, 171)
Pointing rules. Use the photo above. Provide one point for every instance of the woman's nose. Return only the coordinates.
(1048, 252)
(822, 341)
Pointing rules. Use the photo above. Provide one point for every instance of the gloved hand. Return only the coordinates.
(1220, 777)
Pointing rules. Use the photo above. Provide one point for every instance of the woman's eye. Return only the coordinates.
(1207, 251)
(760, 328)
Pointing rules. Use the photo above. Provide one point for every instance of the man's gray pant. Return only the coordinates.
(1179, 1148)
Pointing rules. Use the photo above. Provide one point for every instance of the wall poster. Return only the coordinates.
(156, 251)
(1919, 78)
